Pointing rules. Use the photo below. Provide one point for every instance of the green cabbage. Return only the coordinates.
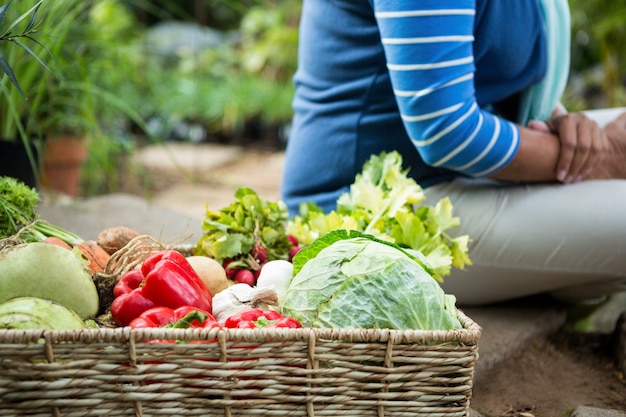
(362, 282)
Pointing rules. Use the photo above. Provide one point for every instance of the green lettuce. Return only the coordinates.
(384, 202)
(351, 280)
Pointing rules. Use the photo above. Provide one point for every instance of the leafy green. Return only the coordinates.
(362, 282)
(19, 216)
(233, 231)
(384, 202)
(18, 204)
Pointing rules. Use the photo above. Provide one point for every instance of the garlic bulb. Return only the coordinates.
(240, 297)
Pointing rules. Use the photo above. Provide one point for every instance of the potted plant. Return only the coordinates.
(18, 155)
(66, 117)
(51, 110)
(65, 127)
(28, 84)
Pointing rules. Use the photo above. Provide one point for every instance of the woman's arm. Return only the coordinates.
(585, 148)
(429, 53)
(567, 148)
(535, 160)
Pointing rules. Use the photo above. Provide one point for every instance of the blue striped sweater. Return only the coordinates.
(421, 77)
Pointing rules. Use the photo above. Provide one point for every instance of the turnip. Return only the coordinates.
(48, 271)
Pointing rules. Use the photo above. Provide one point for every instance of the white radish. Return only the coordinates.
(276, 275)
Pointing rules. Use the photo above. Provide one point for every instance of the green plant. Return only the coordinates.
(52, 100)
(598, 36)
(82, 41)
(28, 32)
(17, 57)
(246, 78)
(34, 94)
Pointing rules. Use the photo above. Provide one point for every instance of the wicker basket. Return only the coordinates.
(262, 372)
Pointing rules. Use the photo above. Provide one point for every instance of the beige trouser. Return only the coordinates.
(569, 240)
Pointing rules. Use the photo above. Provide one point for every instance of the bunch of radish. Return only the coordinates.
(246, 235)
(248, 271)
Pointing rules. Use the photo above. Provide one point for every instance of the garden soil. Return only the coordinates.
(550, 378)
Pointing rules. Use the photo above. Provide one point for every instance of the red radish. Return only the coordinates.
(293, 251)
(258, 271)
(245, 276)
(293, 240)
(230, 272)
(260, 254)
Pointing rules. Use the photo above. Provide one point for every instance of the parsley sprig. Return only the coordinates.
(19, 216)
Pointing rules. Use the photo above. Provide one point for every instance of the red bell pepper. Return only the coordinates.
(129, 303)
(166, 279)
(185, 317)
(172, 255)
(129, 281)
(255, 318)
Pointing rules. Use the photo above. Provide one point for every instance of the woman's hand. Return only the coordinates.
(616, 164)
(584, 145)
(616, 131)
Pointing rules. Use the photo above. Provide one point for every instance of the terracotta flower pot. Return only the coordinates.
(63, 158)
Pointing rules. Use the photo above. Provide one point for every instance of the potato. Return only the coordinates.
(211, 272)
(115, 238)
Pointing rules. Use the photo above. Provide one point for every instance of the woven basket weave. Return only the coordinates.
(261, 372)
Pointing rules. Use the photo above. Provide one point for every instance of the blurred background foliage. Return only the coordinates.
(203, 70)
(598, 76)
(220, 71)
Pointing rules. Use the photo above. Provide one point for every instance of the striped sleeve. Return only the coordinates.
(428, 47)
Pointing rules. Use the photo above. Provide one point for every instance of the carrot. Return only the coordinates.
(58, 242)
(95, 254)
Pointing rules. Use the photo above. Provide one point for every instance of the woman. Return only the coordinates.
(468, 92)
